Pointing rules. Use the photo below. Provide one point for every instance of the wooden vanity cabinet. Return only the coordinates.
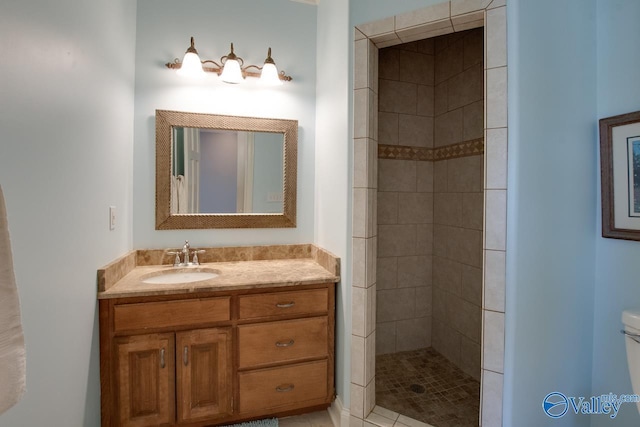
(217, 357)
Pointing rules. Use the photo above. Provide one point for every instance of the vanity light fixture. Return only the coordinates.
(191, 65)
(231, 68)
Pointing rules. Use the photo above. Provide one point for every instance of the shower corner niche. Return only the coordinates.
(206, 176)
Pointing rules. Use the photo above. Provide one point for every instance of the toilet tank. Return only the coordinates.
(631, 321)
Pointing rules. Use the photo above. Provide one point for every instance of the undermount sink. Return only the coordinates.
(173, 277)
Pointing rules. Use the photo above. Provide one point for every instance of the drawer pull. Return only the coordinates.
(285, 388)
(185, 355)
(162, 362)
(286, 304)
(285, 344)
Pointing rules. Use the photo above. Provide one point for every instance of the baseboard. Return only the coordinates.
(339, 415)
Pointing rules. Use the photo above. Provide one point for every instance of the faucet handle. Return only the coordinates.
(176, 261)
(195, 256)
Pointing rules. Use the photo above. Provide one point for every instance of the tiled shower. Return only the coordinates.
(430, 206)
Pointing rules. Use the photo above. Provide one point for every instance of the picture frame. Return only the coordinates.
(620, 176)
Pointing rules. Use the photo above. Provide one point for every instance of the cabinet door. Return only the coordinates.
(146, 381)
(204, 373)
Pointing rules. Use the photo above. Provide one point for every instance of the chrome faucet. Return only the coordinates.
(186, 256)
(185, 251)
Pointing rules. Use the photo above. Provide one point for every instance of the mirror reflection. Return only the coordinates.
(215, 171)
(226, 171)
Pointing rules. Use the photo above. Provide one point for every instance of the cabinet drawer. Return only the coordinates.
(170, 313)
(285, 341)
(286, 386)
(284, 303)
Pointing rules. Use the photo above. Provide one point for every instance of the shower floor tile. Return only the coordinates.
(424, 385)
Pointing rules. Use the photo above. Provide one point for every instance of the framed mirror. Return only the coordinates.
(215, 171)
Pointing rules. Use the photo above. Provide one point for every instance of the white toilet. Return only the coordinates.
(631, 320)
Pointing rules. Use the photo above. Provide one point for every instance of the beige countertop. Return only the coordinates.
(231, 276)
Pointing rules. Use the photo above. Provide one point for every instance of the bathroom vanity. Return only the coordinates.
(255, 341)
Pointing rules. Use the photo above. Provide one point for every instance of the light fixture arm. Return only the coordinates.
(231, 57)
(269, 59)
(281, 74)
(192, 48)
(217, 68)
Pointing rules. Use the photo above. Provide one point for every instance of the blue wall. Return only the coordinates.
(163, 31)
(332, 228)
(551, 206)
(363, 11)
(617, 284)
(66, 155)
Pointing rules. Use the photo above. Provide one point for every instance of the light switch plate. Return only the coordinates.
(112, 217)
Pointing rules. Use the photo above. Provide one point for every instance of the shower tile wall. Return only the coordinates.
(405, 199)
(458, 201)
(430, 212)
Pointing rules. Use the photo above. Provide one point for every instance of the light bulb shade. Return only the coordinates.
(231, 72)
(191, 66)
(269, 75)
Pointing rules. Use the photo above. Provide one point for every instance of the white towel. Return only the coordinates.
(173, 205)
(183, 205)
(179, 199)
(12, 351)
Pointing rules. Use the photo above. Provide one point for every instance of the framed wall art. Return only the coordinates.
(620, 176)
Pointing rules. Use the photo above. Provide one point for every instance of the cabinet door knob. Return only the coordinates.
(185, 355)
(285, 388)
(286, 304)
(285, 344)
(162, 362)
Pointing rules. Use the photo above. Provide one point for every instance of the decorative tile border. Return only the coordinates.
(473, 147)
(403, 152)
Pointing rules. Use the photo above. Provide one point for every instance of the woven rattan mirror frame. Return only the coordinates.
(165, 220)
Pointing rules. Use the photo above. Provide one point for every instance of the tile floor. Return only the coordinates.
(313, 419)
(426, 387)
(382, 417)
